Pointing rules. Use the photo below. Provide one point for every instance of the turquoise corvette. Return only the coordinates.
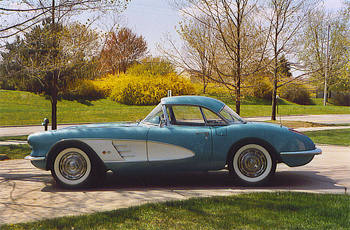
(184, 133)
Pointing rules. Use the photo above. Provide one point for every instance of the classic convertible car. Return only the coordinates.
(184, 133)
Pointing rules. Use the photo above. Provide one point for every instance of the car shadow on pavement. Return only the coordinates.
(290, 181)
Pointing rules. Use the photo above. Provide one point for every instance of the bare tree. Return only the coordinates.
(16, 18)
(196, 54)
(235, 45)
(284, 19)
(314, 39)
(122, 48)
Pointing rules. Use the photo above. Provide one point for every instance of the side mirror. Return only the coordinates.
(162, 123)
(162, 120)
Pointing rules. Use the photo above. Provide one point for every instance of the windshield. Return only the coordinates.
(230, 115)
(155, 116)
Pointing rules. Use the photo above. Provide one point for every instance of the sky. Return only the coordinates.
(154, 18)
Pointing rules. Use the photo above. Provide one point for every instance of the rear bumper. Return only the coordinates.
(299, 158)
(314, 152)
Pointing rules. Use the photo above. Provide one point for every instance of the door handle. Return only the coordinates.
(205, 133)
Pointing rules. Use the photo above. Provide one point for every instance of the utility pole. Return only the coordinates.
(327, 69)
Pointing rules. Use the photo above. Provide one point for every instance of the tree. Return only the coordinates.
(29, 13)
(17, 17)
(284, 19)
(26, 61)
(197, 52)
(122, 49)
(313, 54)
(236, 50)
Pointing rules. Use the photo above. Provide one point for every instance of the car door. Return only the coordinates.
(184, 138)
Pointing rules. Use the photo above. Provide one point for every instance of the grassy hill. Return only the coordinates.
(23, 108)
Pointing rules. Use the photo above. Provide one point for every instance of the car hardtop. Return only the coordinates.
(206, 102)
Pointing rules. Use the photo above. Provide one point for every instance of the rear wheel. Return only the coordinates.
(72, 168)
(252, 165)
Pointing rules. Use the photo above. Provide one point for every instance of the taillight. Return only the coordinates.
(293, 130)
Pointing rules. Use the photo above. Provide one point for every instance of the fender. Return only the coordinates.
(238, 144)
(63, 144)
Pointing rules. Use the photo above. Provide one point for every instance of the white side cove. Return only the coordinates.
(134, 150)
(131, 150)
(160, 152)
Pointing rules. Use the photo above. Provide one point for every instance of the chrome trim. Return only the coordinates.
(316, 151)
(31, 158)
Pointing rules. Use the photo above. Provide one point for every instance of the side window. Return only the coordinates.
(212, 118)
(185, 115)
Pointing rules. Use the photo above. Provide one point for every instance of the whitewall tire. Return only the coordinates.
(72, 168)
(252, 165)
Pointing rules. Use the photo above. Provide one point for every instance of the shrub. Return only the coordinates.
(82, 91)
(340, 98)
(145, 83)
(263, 91)
(296, 93)
(148, 90)
(217, 91)
(105, 84)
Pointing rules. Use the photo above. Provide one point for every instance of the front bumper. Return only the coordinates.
(39, 162)
(30, 158)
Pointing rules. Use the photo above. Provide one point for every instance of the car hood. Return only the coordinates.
(101, 125)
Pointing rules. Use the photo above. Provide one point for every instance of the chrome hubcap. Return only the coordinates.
(252, 163)
(73, 166)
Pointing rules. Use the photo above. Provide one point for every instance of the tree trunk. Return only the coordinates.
(54, 72)
(275, 74)
(274, 100)
(238, 97)
(54, 101)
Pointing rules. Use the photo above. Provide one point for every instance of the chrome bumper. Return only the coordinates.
(316, 151)
(30, 158)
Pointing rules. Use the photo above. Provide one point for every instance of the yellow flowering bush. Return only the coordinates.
(148, 90)
(145, 83)
(81, 90)
(143, 89)
(105, 84)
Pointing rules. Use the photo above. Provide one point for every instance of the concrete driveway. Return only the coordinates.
(29, 194)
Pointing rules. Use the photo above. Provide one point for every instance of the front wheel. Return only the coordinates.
(252, 165)
(72, 168)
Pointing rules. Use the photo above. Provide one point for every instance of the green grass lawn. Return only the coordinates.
(15, 151)
(23, 108)
(279, 210)
(331, 137)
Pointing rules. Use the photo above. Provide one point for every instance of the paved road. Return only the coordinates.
(24, 130)
(29, 194)
(331, 119)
